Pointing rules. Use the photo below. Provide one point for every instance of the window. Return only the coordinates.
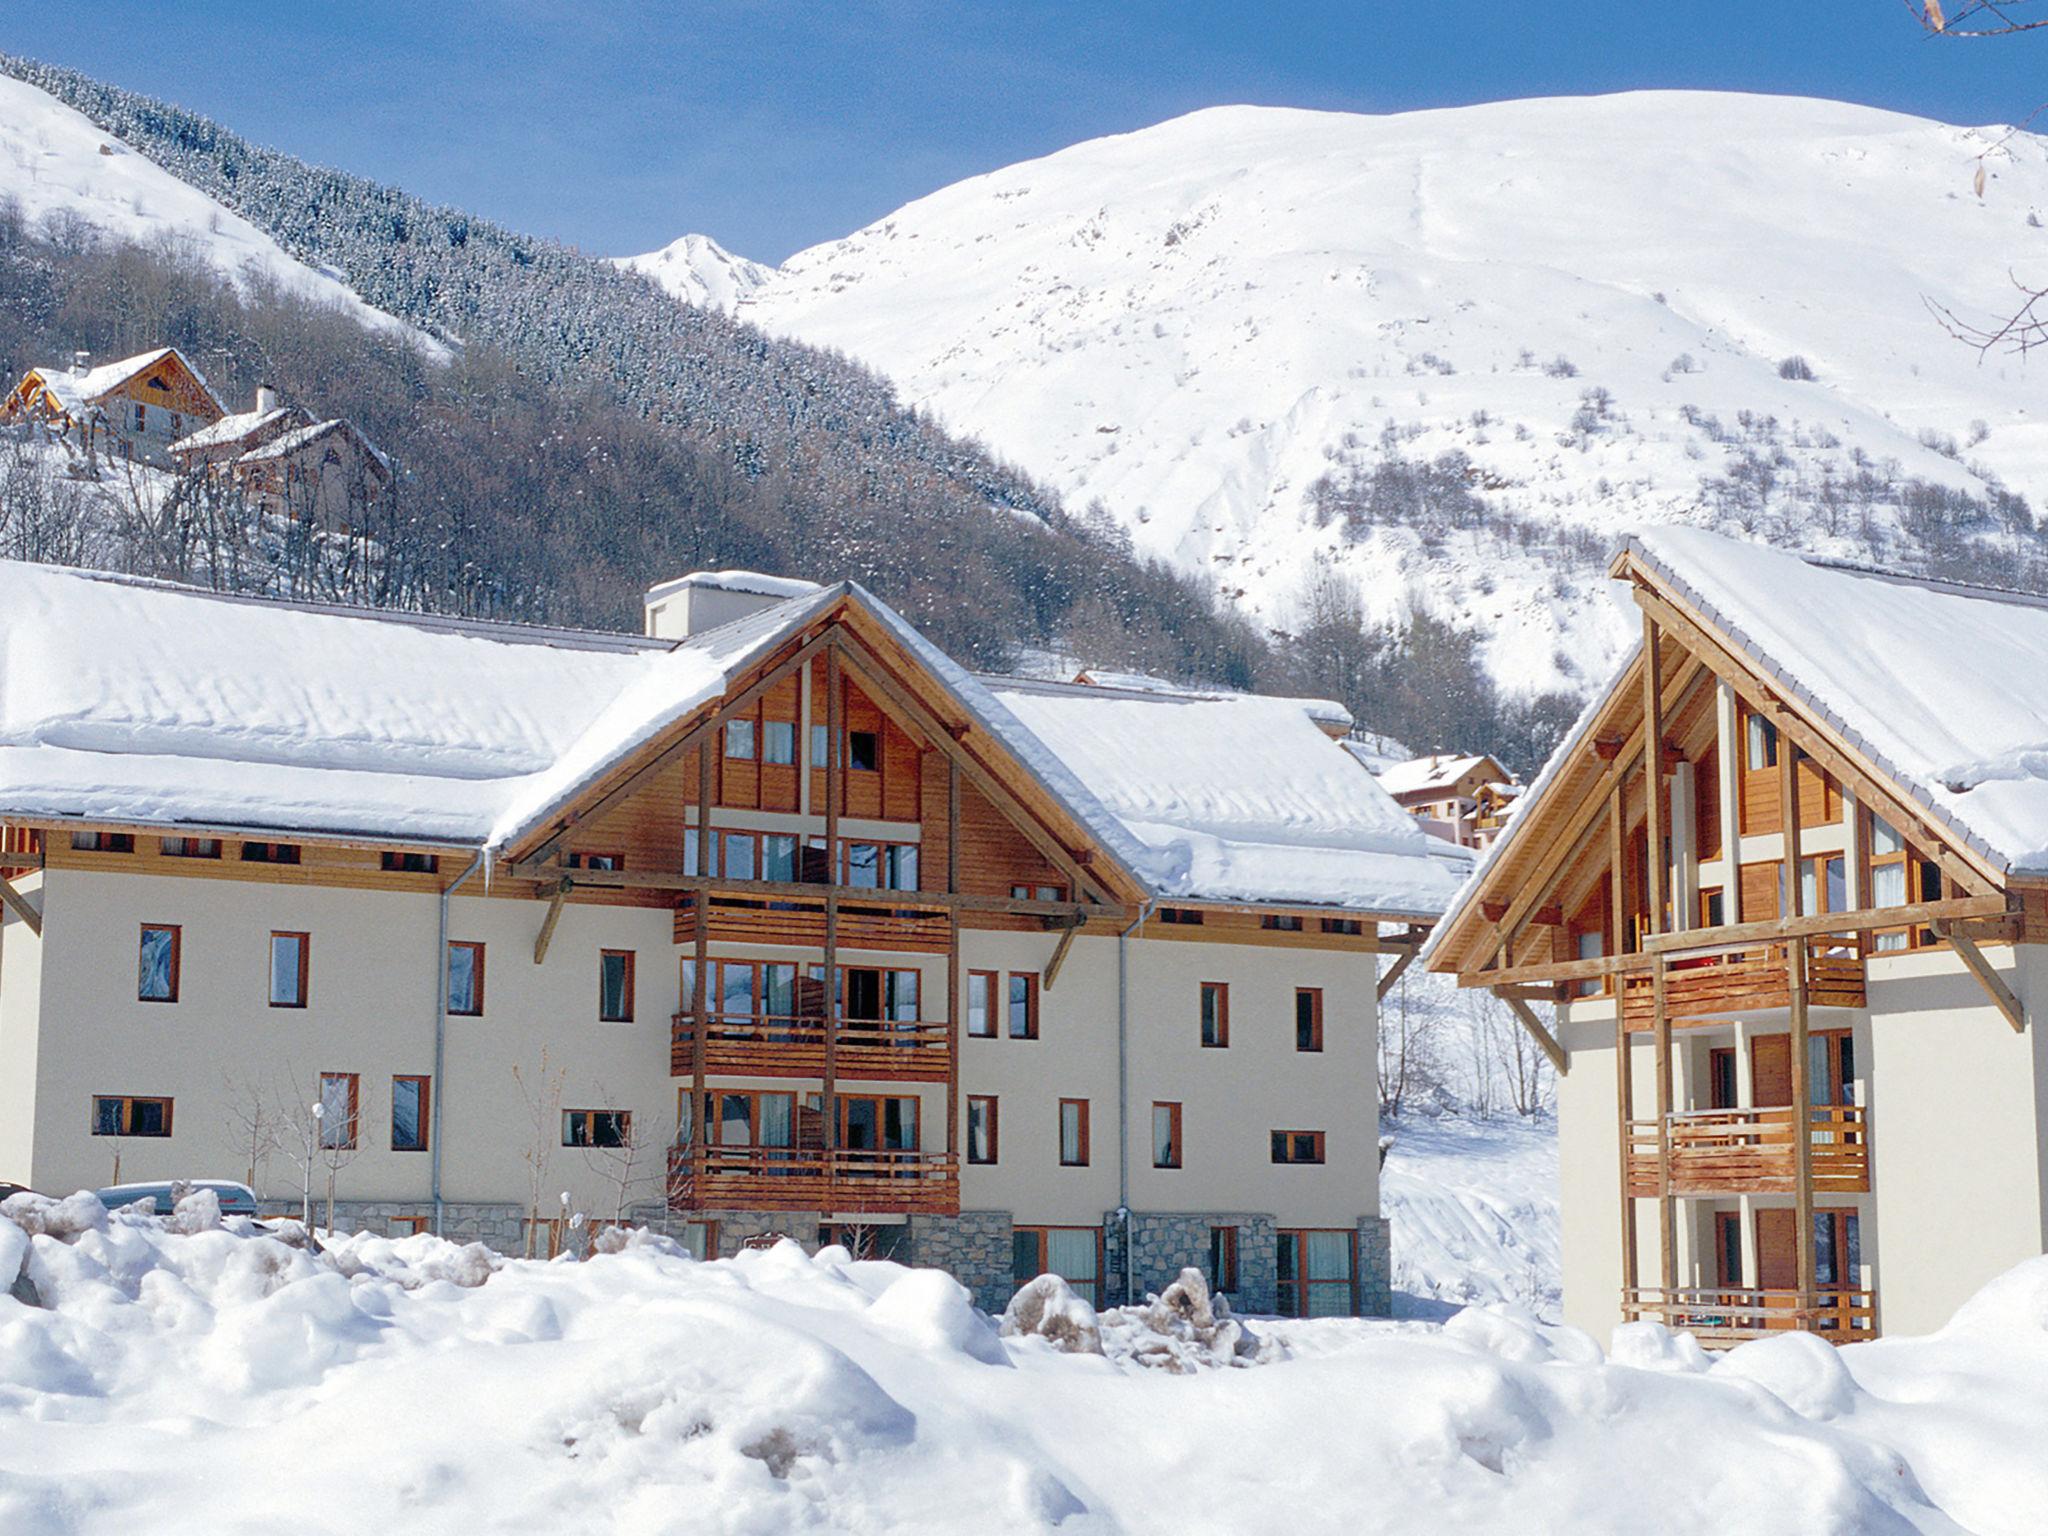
(1073, 1133)
(1355, 927)
(118, 1115)
(818, 746)
(1315, 1273)
(596, 1127)
(1761, 744)
(1280, 922)
(899, 866)
(1223, 1259)
(412, 863)
(1297, 1146)
(1215, 1014)
(1165, 1135)
(1308, 1018)
(1713, 907)
(270, 853)
(739, 739)
(291, 959)
(778, 857)
(465, 978)
(778, 742)
(158, 981)
(103, 842)
(189, 847)
(863, 866)
(1072, 1253)
(1824, 884)
(740, 1118)
(409, 1099)
(981, 1128)
(701, 1238)
(1837, 1250)
(1721, 1078)
(615, 986)
(141, 417)
(1038, 893)
(864, 751)
(1888, 859)
(981, 1006)
(1186, 916)
(338, 1110)
(872, 1123)
(1023, 1006)
(739, 856)
(587, 860)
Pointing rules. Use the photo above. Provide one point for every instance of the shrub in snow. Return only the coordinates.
(1796, 368)
(1047, 1308)
(1182, 1329)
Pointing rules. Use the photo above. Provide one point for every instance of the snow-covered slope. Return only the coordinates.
(698, 270)
(1473, 1206)
(1591, 298)
(54, 163)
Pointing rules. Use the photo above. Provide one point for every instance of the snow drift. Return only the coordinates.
(224, 1379)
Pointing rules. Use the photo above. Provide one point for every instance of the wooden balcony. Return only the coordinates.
(1743, 979)
(868, 919)
(1720, 1319)
(812, 1179)
(879, 1050)
(1750, 1151)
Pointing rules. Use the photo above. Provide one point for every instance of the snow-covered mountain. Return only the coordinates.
(55, 163)
(1607, 305)
(698, 270)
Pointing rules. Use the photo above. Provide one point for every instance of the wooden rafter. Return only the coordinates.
(546, 936)
(21, 906)
(1059, 957)
(1402, 961)
(2001, 995)
(1544, 1039)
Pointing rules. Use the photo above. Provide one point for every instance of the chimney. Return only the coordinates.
(80, 361)
(704, 600)
(266, 399)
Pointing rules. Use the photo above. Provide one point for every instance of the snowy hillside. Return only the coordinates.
(1595, 301)
(698, 270)
(55, 163)
(215, 1379)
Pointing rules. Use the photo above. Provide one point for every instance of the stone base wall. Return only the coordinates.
(1166, 1243)
(973, 1247)
(1375, 1267)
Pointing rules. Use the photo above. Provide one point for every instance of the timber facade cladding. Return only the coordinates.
(1803, 1087)
(778, 970)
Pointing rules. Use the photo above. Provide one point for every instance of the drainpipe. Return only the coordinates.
(1123, 1093)
(441, 1032)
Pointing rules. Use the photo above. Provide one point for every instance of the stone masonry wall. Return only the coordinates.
(973, 1247)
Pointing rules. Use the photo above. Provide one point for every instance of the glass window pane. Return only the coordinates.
(1888, 885)
(739, 738)
(978, 1005)
(1164, 1153)
(146, 1117)
(1070, 1133)
(1838, 884)
(863, 865)
(616, 1005)
(336, 1111)
(739, 856)
(736, 997)
(899, 1125)
(461, 979)
(862, 1125)
(778, 992)
(903, 867)
(735, 1120)
(981, 1141)
(778, 857)
(778, 743)
(406, 1133)
(690, 853)
(1883, 837)
(1020, 1007)
(1824, 1247)
(903, 996)
(284, 969)
(156, 964)
(1024, 1264)
(1070, 1254)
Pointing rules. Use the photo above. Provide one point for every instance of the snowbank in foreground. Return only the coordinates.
(220, 1380)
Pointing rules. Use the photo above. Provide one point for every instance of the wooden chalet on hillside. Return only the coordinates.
(1787, 883)
(133, 409)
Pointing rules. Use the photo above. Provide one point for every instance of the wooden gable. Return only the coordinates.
(169, 384)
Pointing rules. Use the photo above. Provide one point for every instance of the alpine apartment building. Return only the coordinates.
(1787, 885)
(771, 921)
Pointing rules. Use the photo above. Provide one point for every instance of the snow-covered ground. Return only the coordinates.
(1473, 1205)
(698, 270)
(220, 1381)
(53, 161)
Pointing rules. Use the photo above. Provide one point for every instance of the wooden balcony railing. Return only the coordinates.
(1725, 1317)
(868, 919)
(1750, 1151)
(812, 1179)
(1743, 979)
(885, 1050)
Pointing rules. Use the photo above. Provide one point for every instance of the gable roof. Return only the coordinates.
(1439, 771)
(75, 390)
(239, 428)
(130, 701)
(289, 443)
(1942, 687)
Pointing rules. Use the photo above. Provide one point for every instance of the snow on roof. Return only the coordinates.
(1229, 797)
(234, 429)
(74, 390)
(1144, 682)
(756, 582)
(291, 442)
(1439, 771)
(1943, 686)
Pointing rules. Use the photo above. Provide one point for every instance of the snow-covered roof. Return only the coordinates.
(74, 390)
(130, 701)
(755, 582)
(1438, 772)
(235, 428)
(1231, 797)
(290, 443)
(1942, 686)
(1325, 710)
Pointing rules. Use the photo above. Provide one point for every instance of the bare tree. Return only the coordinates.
(624, 1161)
(543, 1095)
(257, 1123)
(1408, 1044)
(1978, 18)
(1525, 1070)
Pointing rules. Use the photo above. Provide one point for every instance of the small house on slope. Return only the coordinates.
(1462, 799)
(134, 409)
(288, 464)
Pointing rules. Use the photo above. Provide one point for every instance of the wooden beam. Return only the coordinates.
(21, 907)
(1059, 958)
(546, 936)
(835, 788)
(1401, 963)
(700, 990)
(1802, 1116)
(1625, 1098)
(1653, 776)
(953, 960)
(1667, 1214)
(2002, 995)
(1543, 1037)
(1816, 923)
(1792, 898)
(666, 880)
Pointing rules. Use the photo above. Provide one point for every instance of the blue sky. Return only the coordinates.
(772, 125)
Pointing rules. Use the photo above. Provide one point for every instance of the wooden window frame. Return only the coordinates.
(1723, 1222)
(588, 1119)
(1182, 917)
(596, 858)
(177, 933)
(103, 842)
(1289, 1142)
(1301, 1288)
(1223, 1271)
(795, 733)
(355, 1110)
(1080, 1106)
(991, 1013)
(628, 991)
(1220, 990)
(1314, 997)
(271, 853)
(476, 973)
(398, 861)
(426, 1112)
(727, 738)
(128, 1101)
(1173, 1141)
(1280, 922)
(992, 1109)
(1035, 892)
(1030, 980)
(305, 968)
(188, 848)
(874, 736)
(1351, 927)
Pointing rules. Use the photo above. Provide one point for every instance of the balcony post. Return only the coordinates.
(1653, 773)
(953, 959)
(700, 988)
(1624, 1093)
(1802, 1128)
(1667, 1211)
(835, 723)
